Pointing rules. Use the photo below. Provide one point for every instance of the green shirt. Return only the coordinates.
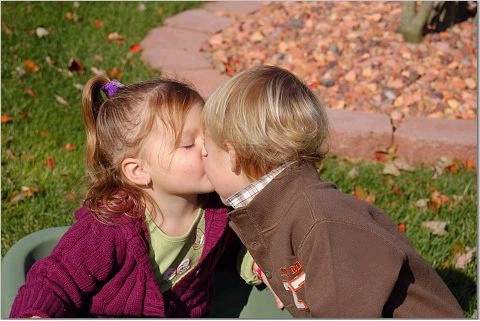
(173, 256)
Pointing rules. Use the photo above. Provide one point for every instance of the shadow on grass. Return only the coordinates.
(463, 287)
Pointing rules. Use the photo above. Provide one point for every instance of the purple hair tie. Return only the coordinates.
(111, 87)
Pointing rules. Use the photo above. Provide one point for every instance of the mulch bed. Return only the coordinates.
(351, 54)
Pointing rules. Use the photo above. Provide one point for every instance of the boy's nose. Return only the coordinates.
(204, 152)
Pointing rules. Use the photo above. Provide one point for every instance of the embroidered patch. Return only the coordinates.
(293, 278)
(199, 239)
(171, 273)
(290, 271)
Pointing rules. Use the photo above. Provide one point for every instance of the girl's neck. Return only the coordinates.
(175, 214)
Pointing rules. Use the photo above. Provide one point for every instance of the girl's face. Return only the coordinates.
(178, 171)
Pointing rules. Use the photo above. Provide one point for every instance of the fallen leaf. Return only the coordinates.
(381, 156)
(70, 196)
(397, 191)
(395, 84)
(353, 173)
(471, 84)
(142, 7)
(98, 72)
(228, 70)
(61, 100)
(25, 192)
(437, 228)
(160, 11)
(217, 39)
(453, 103)
(402, 165)
(437, 199)
(422, 203)
(76, 66)
(402, 227)
(31, 66)
(462, 260)
(51, 162)
(69, 16)
(6, 29)
(115, 36)
(49, 61)
(115, 73)
(391, 169)
(41, 32)
(362, 194)
(257, 36)
(313, 85)
(9, 154)
(7, 119)
(98, 23)
(441, 164)
(70, 147)
(78, 86)
(387, 154)
(135, 48)
(469, 164)
(351, 76)
(30, 92)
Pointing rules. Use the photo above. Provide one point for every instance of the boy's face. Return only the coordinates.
(218, 166)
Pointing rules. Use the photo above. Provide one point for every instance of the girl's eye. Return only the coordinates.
(188, 145)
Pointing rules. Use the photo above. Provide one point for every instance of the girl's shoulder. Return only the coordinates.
(89, 236)
(123, 227)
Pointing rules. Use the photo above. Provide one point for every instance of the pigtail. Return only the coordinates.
(92, 100)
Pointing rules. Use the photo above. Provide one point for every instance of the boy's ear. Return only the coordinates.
(232, 154)
(132, 168)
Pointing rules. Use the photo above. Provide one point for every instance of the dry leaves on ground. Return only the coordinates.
(351, 54)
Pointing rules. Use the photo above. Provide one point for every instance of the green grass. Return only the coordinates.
(42, 127)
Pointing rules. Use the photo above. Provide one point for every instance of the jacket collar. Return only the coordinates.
(272, 203)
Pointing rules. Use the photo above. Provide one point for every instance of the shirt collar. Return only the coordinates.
(247, 194)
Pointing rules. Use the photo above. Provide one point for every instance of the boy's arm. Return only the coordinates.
(56, 286)
(343, 277)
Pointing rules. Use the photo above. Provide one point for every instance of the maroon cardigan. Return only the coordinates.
(105, 271)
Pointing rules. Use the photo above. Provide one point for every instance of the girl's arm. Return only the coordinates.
(60, 284)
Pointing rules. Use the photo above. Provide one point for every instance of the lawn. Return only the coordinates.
(56, 46)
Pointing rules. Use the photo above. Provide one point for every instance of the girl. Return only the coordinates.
(144, 243)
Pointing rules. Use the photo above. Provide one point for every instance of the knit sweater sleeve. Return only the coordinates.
(60, 285)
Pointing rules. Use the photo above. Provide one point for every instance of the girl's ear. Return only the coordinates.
(232, 154)
(132, 168)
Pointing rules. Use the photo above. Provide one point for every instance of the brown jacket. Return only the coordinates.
(327, 254)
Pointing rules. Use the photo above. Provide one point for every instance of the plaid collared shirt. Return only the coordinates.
(246, 195)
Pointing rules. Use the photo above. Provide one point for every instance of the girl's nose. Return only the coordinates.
(204, 152)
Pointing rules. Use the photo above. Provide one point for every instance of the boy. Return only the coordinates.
(323, 253)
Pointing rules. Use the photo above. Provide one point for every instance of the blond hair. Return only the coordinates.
(116, 128)
(270, 117)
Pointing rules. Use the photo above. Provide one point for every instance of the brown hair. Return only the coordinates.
(116, 128)
(270, 117)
